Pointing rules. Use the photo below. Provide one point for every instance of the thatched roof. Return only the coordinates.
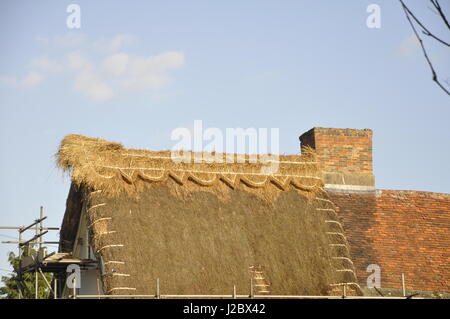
(114, 169)
(199, 227)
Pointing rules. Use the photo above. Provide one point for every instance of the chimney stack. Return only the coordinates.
(345, 157)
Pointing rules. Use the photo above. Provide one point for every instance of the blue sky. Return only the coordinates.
(136, 70)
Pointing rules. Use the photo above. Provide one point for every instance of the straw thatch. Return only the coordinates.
(114, 169)
(201, 227)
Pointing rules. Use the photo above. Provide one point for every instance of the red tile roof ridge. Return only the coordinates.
(406, 193)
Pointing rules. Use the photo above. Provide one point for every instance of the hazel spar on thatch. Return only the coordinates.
(200, 227)
(106, 165)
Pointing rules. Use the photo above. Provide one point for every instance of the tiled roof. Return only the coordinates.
(401, 231)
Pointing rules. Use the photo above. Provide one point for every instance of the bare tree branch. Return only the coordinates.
(441, 13)
(424, 29)
(409, 14)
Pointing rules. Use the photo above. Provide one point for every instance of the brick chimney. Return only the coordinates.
(345, 156)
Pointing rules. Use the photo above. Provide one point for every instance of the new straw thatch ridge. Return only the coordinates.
(114, 169)
(202, 227)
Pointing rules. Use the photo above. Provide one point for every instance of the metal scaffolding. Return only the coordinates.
(38, 262)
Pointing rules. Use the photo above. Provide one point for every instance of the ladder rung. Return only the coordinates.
(261, 285)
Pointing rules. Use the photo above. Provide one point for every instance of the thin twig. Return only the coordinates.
(441, 13)
(424, 29)
(433, 72)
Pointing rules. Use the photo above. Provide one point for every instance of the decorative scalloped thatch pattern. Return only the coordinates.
(109, 166)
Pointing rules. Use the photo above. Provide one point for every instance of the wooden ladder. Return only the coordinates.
(260, 284)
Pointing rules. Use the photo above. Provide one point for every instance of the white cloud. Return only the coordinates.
(101, 78)
(408, 47)
(157, 64)
(89, 82)
(151, 72)
(31, 79)
(66, 40)
(115, 44)
(46, 65)
(76, 60)
(91, 85)
(116, 64)
(70, 39)
(145, 81)
(139, 73)
(42, 40)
